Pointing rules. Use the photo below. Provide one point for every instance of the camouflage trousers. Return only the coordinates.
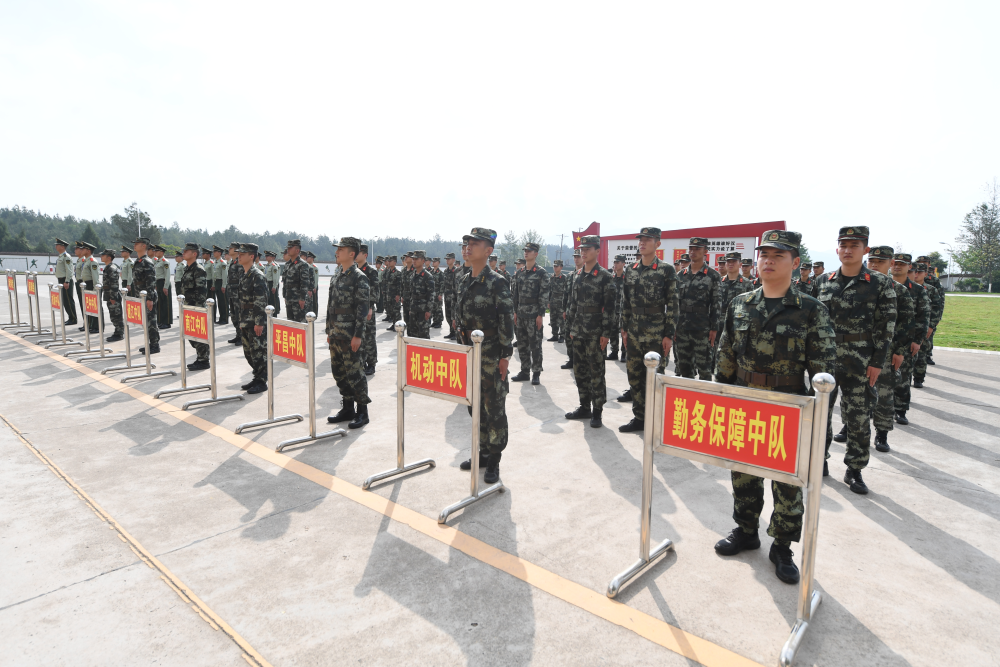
(201, 353)
(115, 311)
(855, 411)
(901, 400)
(556, 320)
(694, 354)
(492, 407)
(297, 313)
(748, 502)
(588, 369)
(255, 351)
(234, 308)
(882, 412)
(920, 365)
(152, 325)
(369, 351)
(437, 312)
(636, 370)
(449, 311)
(417, 325)
(392, 310)
(348, 371)
(615, 340)
(529, 344)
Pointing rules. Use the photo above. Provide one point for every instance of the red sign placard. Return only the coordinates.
(441, 371)
(11, 284)
(55, 300)
(90, 304)
(32, 287)
(196, 324)
(735, 429)
(133, 312)
(289, 343)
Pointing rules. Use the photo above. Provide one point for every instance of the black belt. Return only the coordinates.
(527, 302)
(591, 309)
(770, 380)
(852, 338)
(487, 333)
(342, 311)
(656, 310)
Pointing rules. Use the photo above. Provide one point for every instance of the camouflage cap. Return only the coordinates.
(436, 259)
(108, 251)
(558, 262)
(924, 258)
(782, 239)
(494, 258)
(248, 247)
(390, 258)
(903, 257)
(576, 253)
(857, 232)
(349, 242)
(364, 248)
(216, 248)
(534, 247)
(920, 267)
(408, 254)
(805, 265)
(142, 239)
(291, 242)
(591, 241)
(685, 257)
(621, 258)
(270, 253)
(191, 246)
(235, 245)
(698, 242)
(734, 255)
(449, 255)
(818, 264)
(651, 232)
(881, 252)
(481, 233)
(419, 254)
(59, 241)
(520, 262)
(746, 262)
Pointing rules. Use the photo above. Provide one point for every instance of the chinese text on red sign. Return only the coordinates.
(54, 300)
(90, 303)
(133, 311)
(289, 343)
(441, 371)
(196, 324)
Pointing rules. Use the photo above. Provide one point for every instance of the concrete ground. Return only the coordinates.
(137, 533)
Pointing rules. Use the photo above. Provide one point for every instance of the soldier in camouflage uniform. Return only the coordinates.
(502, 270)
(698, 316)
(369, 351)
(901, 267)
(379, 265)
(450, 285)
(935, 298)
(618, 269)
(392, 286)
(530, 294)
(437, 311)
(299, 286)
(311, 261)
(732, 285)
(577, 268)
(649, 311)
(110, 293)
(194, 287)
(557, 300)
(746, 269)
(771, 338)
(347, 311)
(406, 282)
(421, 298)
(483, 302)
(253, 318)
(933, 281)
(880, 260)
(803, 282)
(818, 270)
(862, 306)
(283, 290)
(144, 280)
(593, 311)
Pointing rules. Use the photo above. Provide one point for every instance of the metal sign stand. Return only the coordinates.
(105, 354)
(271, 419)
(66, 342)
(37, 317)
(15, 308)
(209, 310)
(809, 599)
(128, 342)
(183, 338)
(145, 336)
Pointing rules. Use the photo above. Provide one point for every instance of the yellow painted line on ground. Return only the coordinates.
(655, 630)
(203, 610)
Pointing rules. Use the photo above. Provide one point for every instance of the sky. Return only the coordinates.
(415, 119)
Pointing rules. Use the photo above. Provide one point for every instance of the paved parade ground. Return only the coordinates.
(132, 532)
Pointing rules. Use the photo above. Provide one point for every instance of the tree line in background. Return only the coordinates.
(979, 241)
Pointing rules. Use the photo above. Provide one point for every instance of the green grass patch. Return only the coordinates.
(970, 323)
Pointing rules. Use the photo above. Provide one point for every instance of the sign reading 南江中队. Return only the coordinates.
(441, 371)
(133, 312)
(289, 343)
(196, 324)
(741, 430)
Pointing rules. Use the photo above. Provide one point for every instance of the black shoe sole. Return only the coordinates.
(787, 580)
(748, 547)
(624, 399)
(596, 423)
(570, 415)
(256, 390)
(338, 420)
(622, 429)
(880, 448)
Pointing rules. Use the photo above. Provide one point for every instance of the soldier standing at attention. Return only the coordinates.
(935, 299)
(771, 337)
(592, 311)
(901, 266)
(64, 276)
(194, 286)
(298, 283)
(577, 268)
(253, 318)
(531, 293)
(392, 288)
(418, 319)
(110, 293)
(406, 281)
(234, 274)
(685, 261)
(126, 254)
(557, 300)
(746, 269)
(379, 265)
(88, 276)
(649, 311)
(208, 264)
(880, 260)
(347, 311)
(220, 279)
(732, 285)
(311, 260)
(178, 277)
(161, 268)
(484, 303)
(144, 280)
(618, 268)
(438, 312)
(818, 269)
(862, 306)
(934, 282)
(450, 284)
(502, 270)
(698, 317)
(369, 351)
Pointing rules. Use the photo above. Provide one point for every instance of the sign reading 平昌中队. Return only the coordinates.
(289, 343)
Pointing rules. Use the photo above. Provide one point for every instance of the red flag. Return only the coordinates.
(593, 230)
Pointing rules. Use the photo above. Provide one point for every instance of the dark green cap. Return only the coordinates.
(859, 232)
(349, 242)
(481, 233)
(698, 242)
(651, 232)
(903, 257)
(733, 255)
(534, 247)
(587, 242)
(881, 252)
(781, 239)
(191, 246)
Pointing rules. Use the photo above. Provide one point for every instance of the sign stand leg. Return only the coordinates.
(210, 308)
(105, 354)
(183, 339)
(475, 492)
(647, 558)
(145, 336)
(401, 467)
(66, 342)
(34, 311)
(271, 419)
(15, 322)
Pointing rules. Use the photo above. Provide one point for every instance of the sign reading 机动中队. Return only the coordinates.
(440, 371)
(90, 303)
(55, 300)
(195, 324)
(755, 433)
(289, 343)
(133, 312)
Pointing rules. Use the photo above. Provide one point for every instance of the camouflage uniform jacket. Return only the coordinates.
(143, 279)
(407, 282)
(194, 285)
(649, 300)
(506, 276)
(531, 292)
(619, 282)
(903, 330)
(934, 282)
(921, 310)
(935, 296)
(728, 289)
(253, 299)
(592, 304)
(391, 284)
(484, 302)
(109, 282)
(569, 290)
(698, 299)
(558, 295)
(347, 304)
(298, 280)
(373, 287)
(450, 284)
(796, 336)
(281, 276)
(862, 309)
(234, 275)
(421, 292)
(806, 286)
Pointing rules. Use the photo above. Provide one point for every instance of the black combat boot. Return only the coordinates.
(555, 337)
(568, 365)
(582, 412)
(115, 337)
(346, 412)
(882, 441)
(561, 339)
(901, 418)
(536, 378)
(842, 436)
(235, 340)
(595, 418)
(492, 469)
(521, 377)
(199, 365)
(634, 426)
(784, 564)
(369, 369)
(930, 361)
(483, 460)
(361, 418)
(826, 469)
(918, 381)
(626, 397)
(853, 478)
(259, 386)
(612, 356)
(249, 384)
(736, 542)
(153, 349)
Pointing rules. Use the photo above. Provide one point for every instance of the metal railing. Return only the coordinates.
(137, 314)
